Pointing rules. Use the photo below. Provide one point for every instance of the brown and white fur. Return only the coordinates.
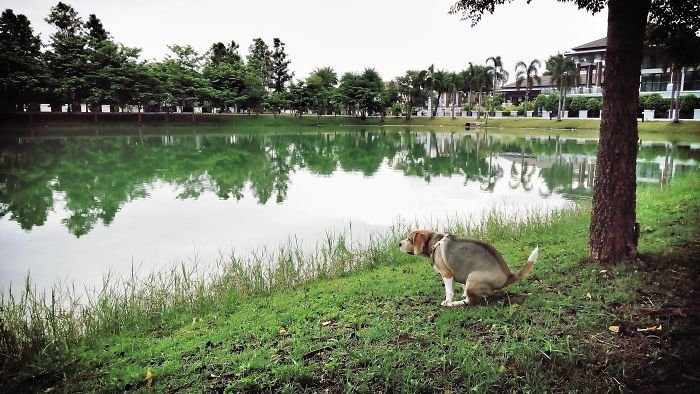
(475, 264)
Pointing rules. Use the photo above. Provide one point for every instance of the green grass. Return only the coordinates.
(369, 320)
(267, 122)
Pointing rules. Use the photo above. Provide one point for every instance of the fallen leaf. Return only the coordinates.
(603, 271)
(502, 369)
(652, 328)
(614, 328)
(282, 331)
(325, 323)
(588, 296)
(149, 377)
(514, 305)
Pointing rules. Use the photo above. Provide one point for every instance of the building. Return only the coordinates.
(590, 62)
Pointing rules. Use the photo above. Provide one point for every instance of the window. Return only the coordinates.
(654, 82)
(692, 80)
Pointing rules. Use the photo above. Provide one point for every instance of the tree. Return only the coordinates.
(455, 85)
(528, 74)
(480, 79)
(411, 90)
(327, 75)
(500, 76)
(185, 82)
(260, 61)
(226, 75)
(67, 58)
(21, 74)
(564, 75)
(441, 84)
(613, 218)
(362, 92)
(220, 53)
(326, 78)
(279, 66)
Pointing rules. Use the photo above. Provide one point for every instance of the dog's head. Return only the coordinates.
(417, 243)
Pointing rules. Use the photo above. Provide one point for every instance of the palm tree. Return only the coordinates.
(454, 81)
(480, 80)
(430, 86)
(327, 75)
(564, 74)
(500, 76)
(441, 84)
(528, 74)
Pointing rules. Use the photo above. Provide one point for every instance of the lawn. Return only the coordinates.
(572, 326)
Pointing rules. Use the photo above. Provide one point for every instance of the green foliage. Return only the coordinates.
(547, 101)
(689, 102)
(594, 104)
(21, 73)
(279, 66)
(656, 102)
(578, 103)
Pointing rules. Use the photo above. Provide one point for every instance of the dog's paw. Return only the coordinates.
(458, 303)
(446, 303)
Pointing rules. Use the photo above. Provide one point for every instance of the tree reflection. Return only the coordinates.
(93, 177)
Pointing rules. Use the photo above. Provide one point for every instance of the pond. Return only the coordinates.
(74, 208)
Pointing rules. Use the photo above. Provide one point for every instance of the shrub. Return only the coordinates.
(578, 103)
(689, 102)
(547, 101)
(657, 103)
(594, 104)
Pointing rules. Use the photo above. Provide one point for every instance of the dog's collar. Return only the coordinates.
(440, 239)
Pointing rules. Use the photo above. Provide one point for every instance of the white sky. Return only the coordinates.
(391, 36)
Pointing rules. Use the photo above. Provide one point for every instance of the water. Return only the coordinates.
(74, 208)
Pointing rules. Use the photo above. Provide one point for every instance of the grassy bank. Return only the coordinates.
(267, 122)
(371, 320)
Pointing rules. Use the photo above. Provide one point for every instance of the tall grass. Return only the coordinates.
(35, 323)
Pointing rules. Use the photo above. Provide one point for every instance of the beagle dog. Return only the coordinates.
(475, 264)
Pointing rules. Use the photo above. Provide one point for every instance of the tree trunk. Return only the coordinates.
(612, 231)
(561, 98)
(676, 115)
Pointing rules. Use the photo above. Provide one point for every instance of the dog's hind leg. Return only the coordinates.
(473, 292)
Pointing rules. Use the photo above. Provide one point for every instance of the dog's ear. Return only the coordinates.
(420, 243)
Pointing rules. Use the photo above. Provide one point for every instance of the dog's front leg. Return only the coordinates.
(449, 290)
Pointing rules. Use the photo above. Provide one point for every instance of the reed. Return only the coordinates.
(37, 324)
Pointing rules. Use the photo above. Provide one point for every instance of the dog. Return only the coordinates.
(475, 264)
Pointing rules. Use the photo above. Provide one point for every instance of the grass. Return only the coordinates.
(77, 125)
(350, 319)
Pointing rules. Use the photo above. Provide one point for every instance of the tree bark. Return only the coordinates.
(612, 230)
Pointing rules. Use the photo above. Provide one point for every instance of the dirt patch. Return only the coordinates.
(658, 338)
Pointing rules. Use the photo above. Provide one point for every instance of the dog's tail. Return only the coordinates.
(527, 268)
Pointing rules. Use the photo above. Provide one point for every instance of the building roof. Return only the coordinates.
(600, 43)
(546, 81)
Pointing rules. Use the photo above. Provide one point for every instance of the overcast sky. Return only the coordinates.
(391, 36)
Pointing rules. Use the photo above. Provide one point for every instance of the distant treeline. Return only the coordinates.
(83, 67)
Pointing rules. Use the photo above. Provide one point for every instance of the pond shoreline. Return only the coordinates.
(570, 325)
(61, 119)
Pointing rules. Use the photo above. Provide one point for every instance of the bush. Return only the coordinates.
(578, 103)
(547, 101)
(594, 104)
(689, 102)
(656, 102)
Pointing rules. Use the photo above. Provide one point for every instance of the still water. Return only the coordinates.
(74, 208)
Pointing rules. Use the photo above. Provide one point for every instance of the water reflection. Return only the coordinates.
(93, 177)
